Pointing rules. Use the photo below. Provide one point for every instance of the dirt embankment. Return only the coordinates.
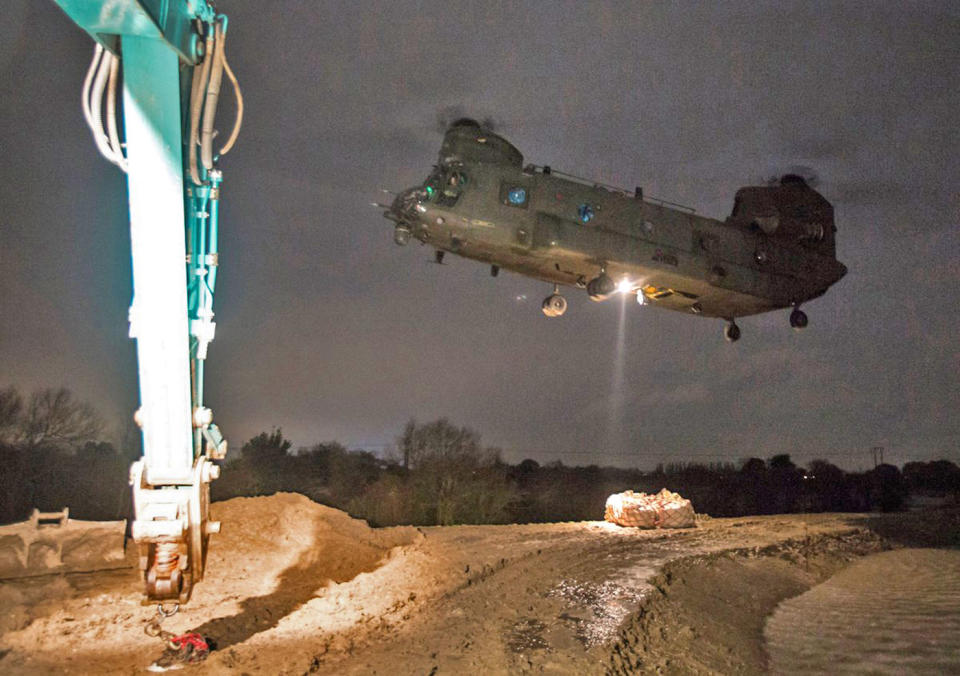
(707, 614)
(295, 587)
(276, 555)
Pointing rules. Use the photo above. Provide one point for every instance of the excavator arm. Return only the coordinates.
(168, 58)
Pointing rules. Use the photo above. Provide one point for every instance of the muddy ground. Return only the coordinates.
(294, 587)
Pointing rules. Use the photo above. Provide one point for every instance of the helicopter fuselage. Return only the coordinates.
(480, 202)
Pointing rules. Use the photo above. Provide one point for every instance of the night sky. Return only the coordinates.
(330, 331)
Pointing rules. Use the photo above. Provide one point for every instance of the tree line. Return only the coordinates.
(441, 474)
(52, 456)
(438, 473)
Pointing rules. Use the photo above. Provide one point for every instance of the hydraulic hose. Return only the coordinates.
(239, 96)
(88, 82)
(114, 136)
(211, 99)
(200, 75)
(96, 106)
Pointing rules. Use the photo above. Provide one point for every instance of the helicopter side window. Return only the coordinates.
(517, 196)
(586, 212)
(514, 195)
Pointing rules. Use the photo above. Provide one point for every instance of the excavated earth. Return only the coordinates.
(294, 587)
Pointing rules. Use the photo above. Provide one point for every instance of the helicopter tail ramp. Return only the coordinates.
(52, 542)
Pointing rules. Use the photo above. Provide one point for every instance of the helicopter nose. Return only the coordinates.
(404, 207)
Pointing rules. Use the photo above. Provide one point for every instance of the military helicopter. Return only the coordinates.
(775, 250)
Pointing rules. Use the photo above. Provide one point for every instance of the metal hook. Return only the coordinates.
(163, 612)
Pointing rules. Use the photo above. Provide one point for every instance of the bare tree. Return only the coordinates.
(11, 407)
(440, 442)
(55, 416)
(448, 464)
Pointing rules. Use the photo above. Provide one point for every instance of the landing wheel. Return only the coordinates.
(731, 332)
(401, 235)
(554, 305)
(798, 319)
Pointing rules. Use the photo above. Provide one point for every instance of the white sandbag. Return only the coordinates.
(662, 510)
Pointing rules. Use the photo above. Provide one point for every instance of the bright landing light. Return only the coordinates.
(624, 286)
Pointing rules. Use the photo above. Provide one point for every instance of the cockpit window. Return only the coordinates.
(453, 182)
(443, 187)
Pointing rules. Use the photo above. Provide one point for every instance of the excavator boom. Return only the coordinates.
(171, 56)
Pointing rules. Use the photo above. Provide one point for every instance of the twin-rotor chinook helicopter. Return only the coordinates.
(775, 250)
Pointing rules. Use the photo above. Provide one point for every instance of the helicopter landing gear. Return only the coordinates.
(731, 332)
(798, 319)
(401, 235)
(554, 305)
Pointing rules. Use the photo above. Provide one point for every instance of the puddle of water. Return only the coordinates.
(891, 613)
(604, 607)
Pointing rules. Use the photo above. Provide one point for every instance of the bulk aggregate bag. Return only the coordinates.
(662, 510)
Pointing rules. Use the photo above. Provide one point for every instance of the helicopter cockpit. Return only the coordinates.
(444, 186)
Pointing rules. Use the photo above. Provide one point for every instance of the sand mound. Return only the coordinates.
(297, 519)
(289, 536)
(279, 552)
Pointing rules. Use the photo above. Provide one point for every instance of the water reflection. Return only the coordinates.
(891, 613)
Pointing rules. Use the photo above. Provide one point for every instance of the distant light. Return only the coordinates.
(625, 286)
(429, 191)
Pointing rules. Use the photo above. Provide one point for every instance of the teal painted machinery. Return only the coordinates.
(169, 59)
